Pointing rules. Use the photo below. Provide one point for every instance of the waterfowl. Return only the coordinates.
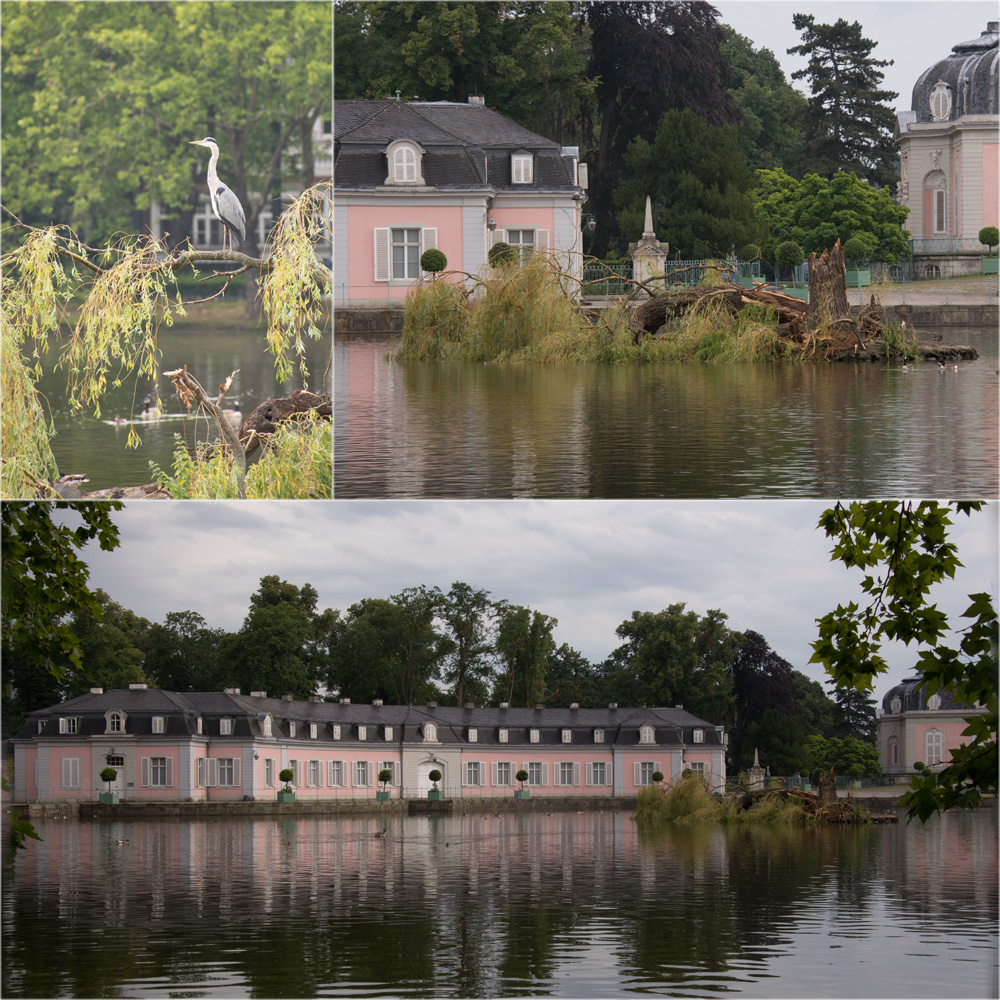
(379, 834)
(906, 368)
(947, 368)
(121, 842)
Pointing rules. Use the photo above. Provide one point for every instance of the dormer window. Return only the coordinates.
(67, 726)
(115, 722)
(598, 735)
(567, 736)
(521, 168)
(312, 730)
(266, 726)
(225, 727)
(473, 735)
(335, 729)
(157, 724)
(362, 732)
(388, 733)
(699, 736)
(200, 726)
(430, 732)
(646, 734)
(940, 101)
(532, 735)
(291, 728)
(502, 736)
(404, 157)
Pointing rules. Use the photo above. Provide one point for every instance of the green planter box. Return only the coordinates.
(797, 293)
(744, 282)
(858, 279)
(284, 796)
(522, 793)
(990, 265)
(109, 798)
(382, 796)
(434, 794)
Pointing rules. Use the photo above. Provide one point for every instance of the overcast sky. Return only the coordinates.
(588, 563)
(915, 34)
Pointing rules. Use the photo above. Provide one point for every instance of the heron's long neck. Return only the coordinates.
(213, 177)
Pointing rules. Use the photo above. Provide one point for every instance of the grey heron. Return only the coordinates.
(225, 204)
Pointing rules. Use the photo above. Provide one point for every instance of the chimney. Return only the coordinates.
(539, 706)
(505, 704)
(230, 690)
(345, 701)
(286, 697)
(613, 704)
(315, 697)
(574, 704)
(678, 706)
(477, 99)
(377, 702)
(258, 694)
(432, 704)
(97, 690)
(137, 687)
(470, 704)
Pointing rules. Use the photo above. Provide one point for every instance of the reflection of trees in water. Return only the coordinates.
(476, 905)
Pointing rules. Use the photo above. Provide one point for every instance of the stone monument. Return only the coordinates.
(649, 255)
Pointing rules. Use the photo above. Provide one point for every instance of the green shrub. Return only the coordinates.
(109, 774)
(989, 236)
(855, 249)
(433, 260)
(501, 255)
(384, 776)
(789, 254)
(285, 775)
(435, 776)
(750, 252)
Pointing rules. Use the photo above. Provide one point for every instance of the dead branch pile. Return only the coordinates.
(264, 420)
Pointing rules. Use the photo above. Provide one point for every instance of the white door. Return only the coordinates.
(118, 785)
(424, 783)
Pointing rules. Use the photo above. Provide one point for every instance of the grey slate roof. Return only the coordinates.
(621, 725)
(970, 71)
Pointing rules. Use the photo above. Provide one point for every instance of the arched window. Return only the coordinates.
(940, 101)
(936, 204)
(115, 722)
(266, 727)
(646, 734)
(934, 702)
(893, 750)
(430, 732)
(933, 746)
(404, 158)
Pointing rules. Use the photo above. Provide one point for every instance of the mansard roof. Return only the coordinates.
(621, 726)
(970, 74)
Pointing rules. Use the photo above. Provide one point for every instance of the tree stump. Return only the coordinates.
(827, 289)
(265, 418)
(827, 788)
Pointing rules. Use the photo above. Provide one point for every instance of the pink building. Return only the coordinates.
(915, 728)
(413, 175)
(209, 746)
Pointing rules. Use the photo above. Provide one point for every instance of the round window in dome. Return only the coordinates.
(934, 702)
(940, 101)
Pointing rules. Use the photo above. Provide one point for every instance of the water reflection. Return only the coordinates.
(96, 448)
(564, 905)
(838, 430)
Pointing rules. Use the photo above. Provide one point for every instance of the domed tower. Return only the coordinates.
(914, 728)
(948, 147)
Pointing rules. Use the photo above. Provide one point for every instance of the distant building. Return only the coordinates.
(212, 746)
(948, 148)
(914, 728)
(411, 175)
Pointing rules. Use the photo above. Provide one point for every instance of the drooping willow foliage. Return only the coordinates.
(130, 290)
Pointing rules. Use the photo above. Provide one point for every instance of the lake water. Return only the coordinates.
(517, 904)
(96, 448)
(455, 429)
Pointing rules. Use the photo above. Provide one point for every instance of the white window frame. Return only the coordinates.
(159, 725)
(598, 735)
(292, 729)
(698, 736)
(698, 766)
(337, 772)
(537, 769)
(643, 771)
(115, 721)
(362, 733)
(647, 734)
(502, 736)
(156, 772)
(404, 165)
(388, 734)
(430, 732)
(314, 773)
(502, 773)
(362, 773)
(229, 768)
(933, 747)
(594, 768)
(335, 730)
(568, 774)
(473, 773)
(313, 729)
(293, 766)
(269, 772)
(390, 765)
(473, 735)
(567, 736)
(265, 726)
(68, 725)
(383, 243)
(69, 772)
(533, 736)
(522, 168)
(226, 727)
(200, 726)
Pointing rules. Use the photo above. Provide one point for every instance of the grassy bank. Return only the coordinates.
(525, 315)
(690, 801)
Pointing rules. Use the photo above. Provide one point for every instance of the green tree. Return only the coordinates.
(849, 122)
(570, 678)
(697, 178)
(43, 582)
(183, 653)
(675, 657)
(903, 551)
(816, 212)
(777, 736)
(854, 714)
(648, 58)
(524, 646)
(845, 754)
(814, 704)
(469, 618)
(770, 133)
(282, 646)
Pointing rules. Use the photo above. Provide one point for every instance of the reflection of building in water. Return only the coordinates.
(209, 746)
(916, 728)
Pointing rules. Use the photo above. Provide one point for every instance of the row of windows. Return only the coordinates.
(116, 724)
(406, 165)
(224, 772)
(933, 748)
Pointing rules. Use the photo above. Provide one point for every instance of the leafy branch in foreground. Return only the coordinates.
(904, 550)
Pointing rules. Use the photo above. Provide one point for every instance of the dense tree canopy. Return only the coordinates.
(849, 121)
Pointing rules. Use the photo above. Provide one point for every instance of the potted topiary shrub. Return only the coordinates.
(433, 261)
(855, 771)
(789, 254)
(286, 794)
(658, 777)
(435, 792)
(501, 255)
(748, 254)
(522, 792)
(989, 236)
(109, 797)
(856, 251)
(384, 777)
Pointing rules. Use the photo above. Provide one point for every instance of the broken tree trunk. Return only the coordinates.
(265, 418)
(828, 310)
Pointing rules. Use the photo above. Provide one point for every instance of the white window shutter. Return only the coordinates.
(65, 770)
(170, 771)
(428, 241)
(590, 773)
(62, 727)
(200, 772)
(494, 769)
(635, 773)
(657, 766)
(541, 239)
(144, 770)
(498, 236)
(319, 773)
(576, 773)
(545, 773)
(236, 771)
(382, 254)
(211, 772)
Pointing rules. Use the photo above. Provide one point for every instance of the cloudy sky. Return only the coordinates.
(915, 34)
(588, 563)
